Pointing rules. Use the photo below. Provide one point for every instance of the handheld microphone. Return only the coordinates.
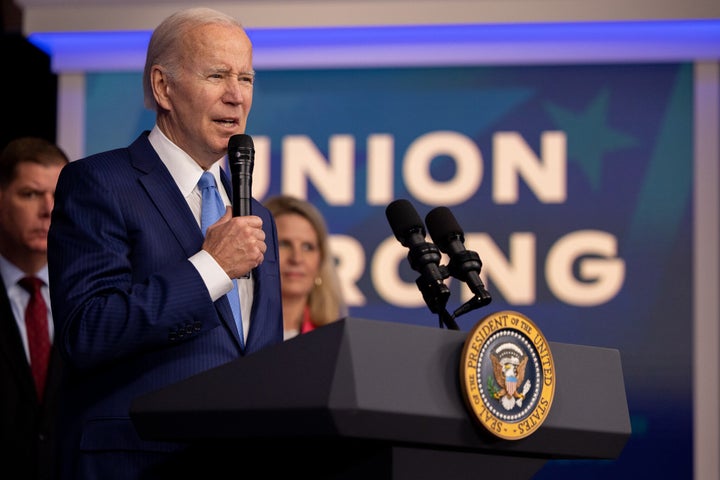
(241, 157)
(465, 265)
(424, 257)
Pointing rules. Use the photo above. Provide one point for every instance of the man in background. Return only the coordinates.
(29, 363)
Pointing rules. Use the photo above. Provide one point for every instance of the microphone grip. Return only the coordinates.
(242, 192)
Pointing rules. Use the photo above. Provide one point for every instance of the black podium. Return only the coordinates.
(368, 399)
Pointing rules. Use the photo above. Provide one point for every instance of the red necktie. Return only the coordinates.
(36, 323)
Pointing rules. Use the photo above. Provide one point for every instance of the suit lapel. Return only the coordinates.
(165, 195)
(167, 198)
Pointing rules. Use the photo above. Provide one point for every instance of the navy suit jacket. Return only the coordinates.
(131, 312)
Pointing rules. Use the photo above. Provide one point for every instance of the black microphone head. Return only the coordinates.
(241, 155)
(443, 227)
(240, 140)
(404, 220)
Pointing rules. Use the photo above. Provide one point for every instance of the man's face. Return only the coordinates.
(211, 99)
(25, 208)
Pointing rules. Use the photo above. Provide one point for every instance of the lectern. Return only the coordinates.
(370, 399)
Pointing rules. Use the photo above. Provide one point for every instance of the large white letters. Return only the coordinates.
(580, 268)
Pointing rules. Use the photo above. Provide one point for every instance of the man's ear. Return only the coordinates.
(160, 86)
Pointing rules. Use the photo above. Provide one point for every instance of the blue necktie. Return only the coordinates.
(213, 208)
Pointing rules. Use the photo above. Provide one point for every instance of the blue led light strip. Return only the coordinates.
(587, 42)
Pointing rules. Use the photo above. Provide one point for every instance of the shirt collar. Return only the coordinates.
(12, 274)
(184, 170)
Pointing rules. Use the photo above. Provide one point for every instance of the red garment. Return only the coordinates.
(307, 324)
(36, 321)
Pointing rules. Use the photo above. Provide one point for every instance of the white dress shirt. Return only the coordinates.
(186, 173)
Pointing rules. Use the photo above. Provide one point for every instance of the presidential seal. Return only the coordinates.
(507, 375)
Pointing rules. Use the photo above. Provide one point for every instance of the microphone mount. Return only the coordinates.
(435, 292)
(460, 265)
(425, 257)
(437, 305)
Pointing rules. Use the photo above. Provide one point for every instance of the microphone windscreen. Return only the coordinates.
(403, 218)
(443, 226)
(240, 140)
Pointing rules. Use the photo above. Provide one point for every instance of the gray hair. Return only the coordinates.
(165, 44)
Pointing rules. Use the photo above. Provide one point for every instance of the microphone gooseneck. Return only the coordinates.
(241, 158)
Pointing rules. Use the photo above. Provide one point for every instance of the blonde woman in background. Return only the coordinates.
(311, 295)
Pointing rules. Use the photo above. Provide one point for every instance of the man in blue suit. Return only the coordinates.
(140, 297)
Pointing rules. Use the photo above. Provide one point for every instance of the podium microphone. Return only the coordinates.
(241, 157)
(424, 257)
(465, 265)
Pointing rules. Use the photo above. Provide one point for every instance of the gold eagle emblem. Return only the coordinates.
(509, 363)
